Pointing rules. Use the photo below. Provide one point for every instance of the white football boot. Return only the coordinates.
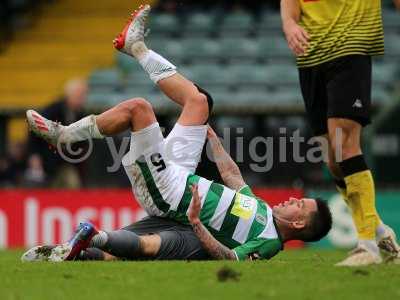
(389, 247)
(134, 30)
(46, 129)
(360, 256)
(38, 254)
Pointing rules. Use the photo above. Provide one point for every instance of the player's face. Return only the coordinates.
(295, 210)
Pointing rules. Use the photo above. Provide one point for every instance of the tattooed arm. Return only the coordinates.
(228, 169)
(209, 243)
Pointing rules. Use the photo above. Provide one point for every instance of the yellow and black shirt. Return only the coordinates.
(341, 27)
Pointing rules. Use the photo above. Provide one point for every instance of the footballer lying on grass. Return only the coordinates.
(229, 221)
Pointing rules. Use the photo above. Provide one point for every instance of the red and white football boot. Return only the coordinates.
(134, 30)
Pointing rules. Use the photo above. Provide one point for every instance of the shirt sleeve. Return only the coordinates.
(264, 248)
(246, 190)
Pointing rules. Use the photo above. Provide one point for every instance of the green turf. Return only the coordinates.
(291, 275)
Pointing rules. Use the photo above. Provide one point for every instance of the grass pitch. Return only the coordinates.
(306, 274)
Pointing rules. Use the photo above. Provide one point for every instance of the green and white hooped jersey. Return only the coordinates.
(239, 220)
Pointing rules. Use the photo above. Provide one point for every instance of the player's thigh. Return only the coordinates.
(313, 88)
(184, 145)
(157, 183)
(180, 244)
(151, 225)
(195, 110)
(349, 89)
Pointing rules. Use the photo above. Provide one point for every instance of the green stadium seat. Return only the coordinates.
(102, 100)
(234, 122)
(391, 19)
(282, 74)
(161, 24)
(380, 96)
(209, 74)
(243, 49)
(200, 24)
(138, 79)
(383, 73)
(203, 49)
(286, 98)
(274, 46)
(392, 45)
(127, 64)
(105, 78)
(270, 22)
(248, 74)
(236, 24)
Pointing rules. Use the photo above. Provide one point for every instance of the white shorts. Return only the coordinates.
(158, 168)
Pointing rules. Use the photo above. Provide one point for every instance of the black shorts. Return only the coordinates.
(178, 242)
(340, 88)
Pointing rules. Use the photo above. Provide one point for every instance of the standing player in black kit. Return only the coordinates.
(334, 41)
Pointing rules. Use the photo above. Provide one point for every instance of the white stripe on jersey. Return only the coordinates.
(204, 186)
(222, 208)
(243, 226)
(269, 231)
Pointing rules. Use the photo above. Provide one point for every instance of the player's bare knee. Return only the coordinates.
(150, 244)
(344, 144)
(137, 106)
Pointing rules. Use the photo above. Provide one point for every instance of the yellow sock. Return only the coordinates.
(342, 189)
(361, 199)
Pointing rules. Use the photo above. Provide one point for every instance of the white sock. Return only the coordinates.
(380, 231)
(99, 240)
(81, 130)
(370, 245)
(154, 64)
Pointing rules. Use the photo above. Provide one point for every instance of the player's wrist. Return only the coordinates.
(195, 221)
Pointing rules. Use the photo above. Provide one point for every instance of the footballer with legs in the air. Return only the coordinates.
(226, 221)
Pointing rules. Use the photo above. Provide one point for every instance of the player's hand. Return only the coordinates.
(297, 38)
(195, 206)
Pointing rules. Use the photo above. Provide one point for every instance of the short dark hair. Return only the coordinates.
(319, 225)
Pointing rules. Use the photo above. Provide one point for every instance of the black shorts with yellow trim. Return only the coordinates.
(340, 88)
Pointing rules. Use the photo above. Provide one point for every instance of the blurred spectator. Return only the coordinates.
(34, 175)
(43, 163)
(12, 166)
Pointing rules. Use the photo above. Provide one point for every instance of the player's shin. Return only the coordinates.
(121, 243)
(361, 197)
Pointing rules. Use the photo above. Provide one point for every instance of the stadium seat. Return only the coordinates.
(137, 79)
(282, 74)
(391, 20)
(288, 97)
(248, 74)
(209, 74)
(274, 46)
(127, 64)
(392, 45)
(107, 78)
(236, 24)
(383, 73)
(200, 24)
(380, 96)
(102, 100)
(243, 49)
(162, 24)
(201, 49)
(270, 22)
